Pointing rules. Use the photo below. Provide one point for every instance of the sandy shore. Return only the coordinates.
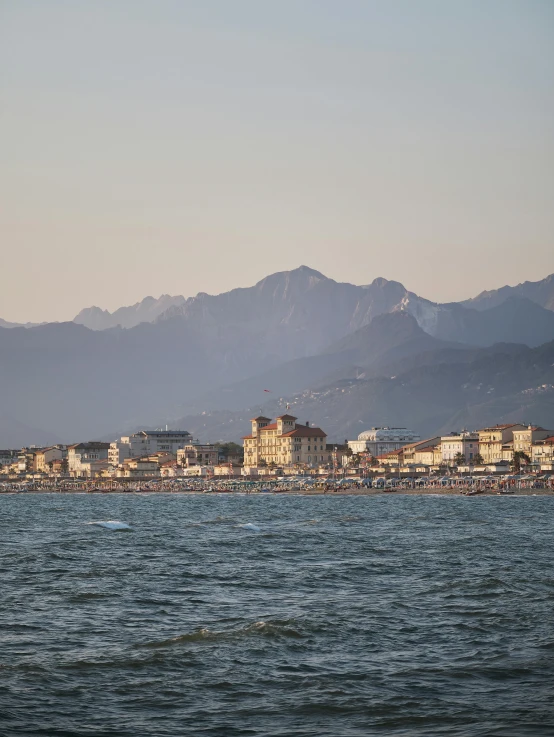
(425, 491)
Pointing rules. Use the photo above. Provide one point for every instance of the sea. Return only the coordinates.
(228, 615)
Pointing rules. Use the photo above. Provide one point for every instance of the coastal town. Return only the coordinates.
(284, 450)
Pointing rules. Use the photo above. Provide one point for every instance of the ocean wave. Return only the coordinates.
(111, 524)
(250, 526)
(270, 629)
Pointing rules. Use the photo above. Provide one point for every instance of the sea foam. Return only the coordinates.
(250, 526)
(112, 524)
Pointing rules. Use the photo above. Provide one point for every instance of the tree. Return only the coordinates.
(459, 459)
(355, 460)
(478, 459)
(520, 459)
(230, 449)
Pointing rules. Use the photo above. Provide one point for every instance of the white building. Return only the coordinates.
(148, 442)
(196, 454)
(8, 457)
(87, 459)
(465, 443)
(381, 440)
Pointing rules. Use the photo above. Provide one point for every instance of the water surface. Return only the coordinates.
(264, 615)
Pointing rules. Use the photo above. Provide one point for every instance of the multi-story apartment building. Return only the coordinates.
(197, 455)
(465, 443)
(87, 459)
(381, 440)
(542, 451)
(44, 458)
(118, 452)
(8, 458)
(410, 451)
(491, 440)
(425, 456)
(146, 442)
(524, 439)
(139, 468)
(508, 451)
(284, 443)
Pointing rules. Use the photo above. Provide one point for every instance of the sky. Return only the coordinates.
(170, 146)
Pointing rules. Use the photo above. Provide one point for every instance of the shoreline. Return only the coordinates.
(424, 491)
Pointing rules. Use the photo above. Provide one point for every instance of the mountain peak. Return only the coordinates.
(301, 273)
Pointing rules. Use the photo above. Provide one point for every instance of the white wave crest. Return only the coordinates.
(250, 526)
(112, 524)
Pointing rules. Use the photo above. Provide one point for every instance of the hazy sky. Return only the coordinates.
(159, 146)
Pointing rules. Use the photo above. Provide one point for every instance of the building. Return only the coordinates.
(197, 455)
(87, 459)
(284, 443)
(464, 443)
(118, 452)
(491, 440)
(44, 458)
(392, 458)
(139, 468)
(228, 469)
(147, 442)
(508, 451)
(8, 458)
(410, 451)
(381, 440)
(425, 456)
(542, 451)
(524, 439)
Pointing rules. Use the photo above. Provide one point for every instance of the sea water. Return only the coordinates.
(222, 615)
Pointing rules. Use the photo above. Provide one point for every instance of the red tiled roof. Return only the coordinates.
(429, 449)
(417, 442)
(286, 417)
(302, 431)
(391, 453)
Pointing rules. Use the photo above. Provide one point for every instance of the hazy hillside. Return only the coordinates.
(517, 384)
(388, 337)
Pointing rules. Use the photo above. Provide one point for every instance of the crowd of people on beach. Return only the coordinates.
(301, 484)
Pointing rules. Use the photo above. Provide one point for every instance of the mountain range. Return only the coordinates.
(326, 347)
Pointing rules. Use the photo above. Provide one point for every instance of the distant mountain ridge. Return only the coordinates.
(541, 292)
(147, 310)
(7, 324)
(294, 330)
(363, 303)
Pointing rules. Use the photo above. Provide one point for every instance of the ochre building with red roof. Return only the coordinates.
(284, 443)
